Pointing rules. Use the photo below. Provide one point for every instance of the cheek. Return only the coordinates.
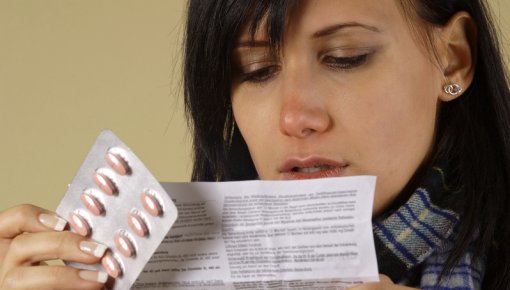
(404, 120)
(395, 135)
(257, 120)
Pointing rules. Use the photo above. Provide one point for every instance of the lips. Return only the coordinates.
(311, 167)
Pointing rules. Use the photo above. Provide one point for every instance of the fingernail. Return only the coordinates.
(52, 221)
(94, 276)
(93, 248)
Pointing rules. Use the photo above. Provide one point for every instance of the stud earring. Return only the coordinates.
(453, 89)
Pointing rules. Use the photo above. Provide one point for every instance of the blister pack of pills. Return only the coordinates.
(115, 200)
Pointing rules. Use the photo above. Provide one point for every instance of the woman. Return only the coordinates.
(410, 91)
(413, 92)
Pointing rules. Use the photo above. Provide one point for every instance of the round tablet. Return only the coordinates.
(111, 265)
(124, 244)
(151, 204)
(92, 203)
(79, 224)
(104, 183)
(137, 224)
(117, 163)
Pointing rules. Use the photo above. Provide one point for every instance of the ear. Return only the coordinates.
(457, 52)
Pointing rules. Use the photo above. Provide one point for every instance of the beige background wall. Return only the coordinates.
(71, 68)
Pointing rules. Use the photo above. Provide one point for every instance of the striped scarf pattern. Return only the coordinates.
(413, 243)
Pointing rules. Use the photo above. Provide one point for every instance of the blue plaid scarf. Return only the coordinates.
(413, 242)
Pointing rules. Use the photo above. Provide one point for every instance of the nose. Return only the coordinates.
(303, 112)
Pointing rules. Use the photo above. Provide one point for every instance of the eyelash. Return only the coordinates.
(345, 63)
(260, 75)
(336, 63)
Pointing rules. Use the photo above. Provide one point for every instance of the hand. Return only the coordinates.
(384, 283)
(29, 236)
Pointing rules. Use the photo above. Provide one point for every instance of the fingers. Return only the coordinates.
(53, 277)
(31, 248)
(30, 235)
(28, 218)
(384, 279)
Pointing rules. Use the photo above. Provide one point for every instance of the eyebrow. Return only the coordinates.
(321, 33)
(336, 27)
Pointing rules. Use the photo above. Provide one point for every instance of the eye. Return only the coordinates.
(344, 63)
(260, 75)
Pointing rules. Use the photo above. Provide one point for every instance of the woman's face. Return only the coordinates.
(351, 93)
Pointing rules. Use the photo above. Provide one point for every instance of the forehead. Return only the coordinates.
(309, 16)
(315, 14)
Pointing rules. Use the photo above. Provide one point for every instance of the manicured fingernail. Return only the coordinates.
(52, 221)
(93, 248)
(94, 276)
